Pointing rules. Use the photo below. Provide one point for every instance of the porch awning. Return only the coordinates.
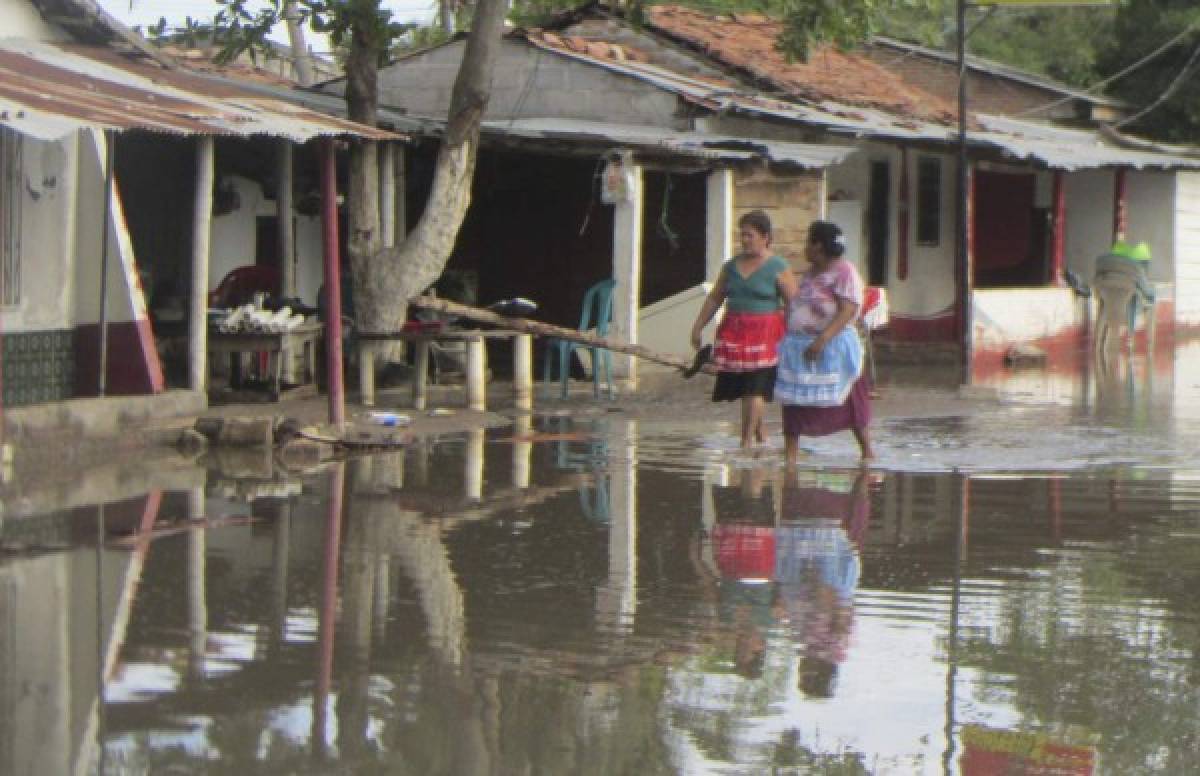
(1072, 149)
(699, 145)
(50, 90)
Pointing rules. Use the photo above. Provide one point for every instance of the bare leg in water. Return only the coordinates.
(752, 415)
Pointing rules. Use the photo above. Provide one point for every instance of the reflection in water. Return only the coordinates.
(599, 597)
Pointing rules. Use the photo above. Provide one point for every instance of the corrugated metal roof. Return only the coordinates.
(50, 90)
(1069, 149)
(693, 144)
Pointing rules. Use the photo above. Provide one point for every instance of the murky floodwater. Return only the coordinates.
(1011, 590)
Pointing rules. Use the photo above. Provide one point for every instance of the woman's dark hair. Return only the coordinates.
(758, 221)
(829, 236)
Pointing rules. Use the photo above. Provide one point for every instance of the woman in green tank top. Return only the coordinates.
(753, 286)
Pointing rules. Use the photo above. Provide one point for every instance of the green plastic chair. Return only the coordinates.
(596, 314)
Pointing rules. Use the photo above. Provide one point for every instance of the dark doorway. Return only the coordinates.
(879, 199)
(1005, 255)
(673, 220)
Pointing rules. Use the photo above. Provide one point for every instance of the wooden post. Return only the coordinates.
(902, 218)
(400, 198)
(366, 373)
(201, 233)
(284, 209)
(627, 271)
(523, 371)
(1059, 239)
(110, 158)
(327, 614)
(333, 283)
(476, 374)
(420, 375)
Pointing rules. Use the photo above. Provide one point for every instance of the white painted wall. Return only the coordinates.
(233, 234)
(1004, 316)
(310, 257)
(1151, 211)
(48, 183)
(1187, 248)
(1089, 201)
(124, 297)
(21, 20)
(929, 286)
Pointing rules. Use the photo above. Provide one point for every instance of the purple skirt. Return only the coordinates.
(855, 412)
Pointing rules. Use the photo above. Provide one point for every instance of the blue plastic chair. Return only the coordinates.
(596, 314)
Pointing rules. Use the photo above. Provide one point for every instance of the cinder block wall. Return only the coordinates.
(791, 199)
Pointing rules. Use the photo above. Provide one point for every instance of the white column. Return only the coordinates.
(473, 465)
(201, 224)
(718, 229)
(523, 371)
(627, 271)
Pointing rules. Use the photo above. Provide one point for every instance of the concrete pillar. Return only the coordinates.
(476, 376)
(627, 271)
(523, 371)
(201, 226)
(719, 226)
(284, 209)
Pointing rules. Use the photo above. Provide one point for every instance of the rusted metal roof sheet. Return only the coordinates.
(673, 143)
(50, 90)
(1070, 149)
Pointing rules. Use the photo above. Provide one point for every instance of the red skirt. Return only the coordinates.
(748, 341)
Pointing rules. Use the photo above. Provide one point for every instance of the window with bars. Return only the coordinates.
(10, 218)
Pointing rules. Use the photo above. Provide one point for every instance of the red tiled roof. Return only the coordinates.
(746, 41)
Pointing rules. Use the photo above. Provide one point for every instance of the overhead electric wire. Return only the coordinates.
(1180, 77)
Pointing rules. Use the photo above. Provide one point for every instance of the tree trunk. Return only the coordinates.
(385, 278)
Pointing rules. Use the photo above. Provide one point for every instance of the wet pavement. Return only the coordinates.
(1009, 590)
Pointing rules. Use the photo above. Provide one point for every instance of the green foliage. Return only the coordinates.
(362, 24)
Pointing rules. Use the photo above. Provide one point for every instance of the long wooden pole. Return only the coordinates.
(333, 283)
(543, 330)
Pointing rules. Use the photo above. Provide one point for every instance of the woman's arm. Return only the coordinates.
(787, 284)
(712, 303)
(845, 313)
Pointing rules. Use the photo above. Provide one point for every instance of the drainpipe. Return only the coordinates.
(333, 283)
(109, 156)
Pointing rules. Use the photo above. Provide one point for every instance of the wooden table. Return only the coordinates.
(475, 383)
(303, 339)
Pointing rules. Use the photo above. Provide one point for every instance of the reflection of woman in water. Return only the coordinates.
(737, 575)
(817, 567)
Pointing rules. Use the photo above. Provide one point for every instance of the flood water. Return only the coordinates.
(1012, 591)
